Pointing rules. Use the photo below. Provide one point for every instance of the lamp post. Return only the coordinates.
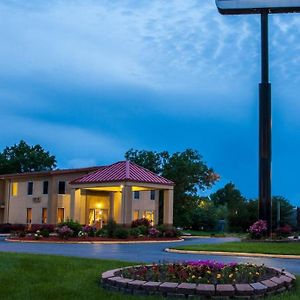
(264, 8)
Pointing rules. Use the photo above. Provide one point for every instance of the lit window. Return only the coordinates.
(45, 187)
(14, 189)
(62, 187)
(152, 195)
(60, 215)
(44, 215)
(29, 215)
(135, 215)
(149, 215)
(136, 195)
(30, 188)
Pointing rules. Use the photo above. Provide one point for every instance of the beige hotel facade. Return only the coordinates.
(122, 191)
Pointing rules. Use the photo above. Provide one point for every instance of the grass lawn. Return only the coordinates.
(254, 247)
(39, 277)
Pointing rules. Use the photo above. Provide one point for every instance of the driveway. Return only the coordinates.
(142, 252)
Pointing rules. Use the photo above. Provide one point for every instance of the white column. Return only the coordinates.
(168, 207)
(127, 205)
(75, 204)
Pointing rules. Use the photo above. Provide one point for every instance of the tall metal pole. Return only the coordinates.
(265, 129)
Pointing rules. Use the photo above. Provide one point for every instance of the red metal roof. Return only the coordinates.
(123, 171)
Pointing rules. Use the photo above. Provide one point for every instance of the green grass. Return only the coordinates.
(248, 247)
(39, 277)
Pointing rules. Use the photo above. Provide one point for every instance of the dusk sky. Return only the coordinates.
(90, 79)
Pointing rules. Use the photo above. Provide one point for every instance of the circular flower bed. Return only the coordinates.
(206, 278)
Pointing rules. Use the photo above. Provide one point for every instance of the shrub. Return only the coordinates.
(73, 225)
(143, 229)
(162, 229)
(135, 232)
(258, 229)
(37, 235)
(153, 232)
(101, 232)
(22, 234)
(65, 232)
(44, 233)
(89, 230)
(9, 228)
(140, 222)
(35, 227)
(82, 234)
(284, 231)
(171, 233)
(121, 233)
(110, 228)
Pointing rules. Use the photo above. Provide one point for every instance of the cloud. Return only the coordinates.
(75, 146)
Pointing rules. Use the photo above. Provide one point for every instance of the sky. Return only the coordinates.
(90, 79)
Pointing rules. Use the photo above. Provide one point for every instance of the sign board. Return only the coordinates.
(236, 7)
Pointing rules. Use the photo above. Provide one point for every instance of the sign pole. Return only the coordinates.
(265, 129)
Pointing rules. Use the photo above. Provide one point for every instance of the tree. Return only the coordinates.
(286, 211)
(186, 169)
(22, 157)
(236, 204)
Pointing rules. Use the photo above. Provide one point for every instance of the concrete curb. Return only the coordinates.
(242, 254)
(93, 242)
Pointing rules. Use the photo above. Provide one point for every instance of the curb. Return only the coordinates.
(92, 242)
(242, 254)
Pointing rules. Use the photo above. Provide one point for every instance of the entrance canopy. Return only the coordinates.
(120, 173)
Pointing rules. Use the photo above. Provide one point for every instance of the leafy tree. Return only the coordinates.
(236, 204)
(186, 169)
(22, 157)
(286, 211)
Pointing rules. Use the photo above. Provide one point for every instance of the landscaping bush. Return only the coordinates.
(258, 229)
(121, 233)
(65, 232)
(140, 222)
(35, 227)
(9, 228)
(134, 232)
(73, 225)
(44, 233)
(284, 231)
(162, 229)
(101, 233)
(143, 229)
(111, 227)
(153, 232)
(89, 230)
(171, 233)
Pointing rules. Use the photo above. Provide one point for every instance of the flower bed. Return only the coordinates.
(202, 278)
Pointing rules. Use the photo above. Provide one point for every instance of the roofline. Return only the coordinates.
(50, 172)
(171, 183)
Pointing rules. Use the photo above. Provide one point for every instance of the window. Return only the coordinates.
(149, 214)
(136, 195)
(60, 215)
(62, 187)
(29, 215)
(44, 215)
(14, 189)
(152, 195)
(136, 214)
(45, 187)
(30, 188)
